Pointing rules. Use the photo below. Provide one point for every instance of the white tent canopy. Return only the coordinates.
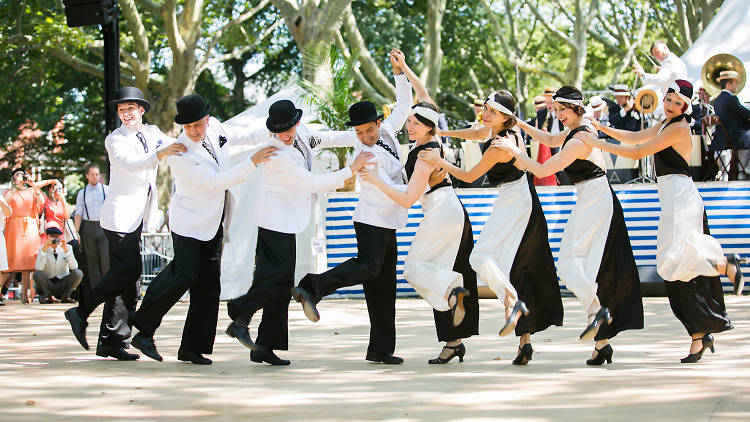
(727, 33)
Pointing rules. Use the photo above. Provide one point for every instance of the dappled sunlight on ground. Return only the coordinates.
(47, 376)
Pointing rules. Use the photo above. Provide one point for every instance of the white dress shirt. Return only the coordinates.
(671, 68)
(55, 267)
(89, 201)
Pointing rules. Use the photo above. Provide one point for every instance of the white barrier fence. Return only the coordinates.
(727, 206)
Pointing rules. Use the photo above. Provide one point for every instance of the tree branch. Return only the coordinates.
(237, 53)
(359, 78)
(554, 31)
(153, 7)
(142, 66)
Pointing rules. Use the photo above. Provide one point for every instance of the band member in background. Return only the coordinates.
(134, 151)
(622, 112)
(733, 126)
(671, 68)
(596, 110)
(596, 260)
(376, 219)
(547, 121)
(539, 103)
(199, 212)
(687, 257)
(512, 254)
(282, 209)
(477, 106)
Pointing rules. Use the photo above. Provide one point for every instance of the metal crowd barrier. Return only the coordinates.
(156, 252)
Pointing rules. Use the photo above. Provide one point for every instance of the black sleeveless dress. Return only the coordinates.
(446, 331)
(532, 273)
(698, 303)
(618, 282)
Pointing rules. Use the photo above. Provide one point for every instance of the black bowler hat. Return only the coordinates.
(282, 115)
(53, 230)
(130, 94)
(190, 108)
(361, 113)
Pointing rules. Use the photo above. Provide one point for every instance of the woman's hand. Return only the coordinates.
(369, 175)
(440, 132)
(507, 144)
(437, 176)
(430, 155)
(589, 138)
(596, 124)
(398, 58)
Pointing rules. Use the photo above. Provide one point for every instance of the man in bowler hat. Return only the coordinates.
(199, 213)
(282, 209)
(134, 151)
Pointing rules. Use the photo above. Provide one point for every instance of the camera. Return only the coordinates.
(55, 241)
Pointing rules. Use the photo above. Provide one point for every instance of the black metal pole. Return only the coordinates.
(111, 33)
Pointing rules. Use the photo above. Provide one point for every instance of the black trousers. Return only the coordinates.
(196, 267)
(118, 289)
(375, 268)
(273, 279)
(96, 248)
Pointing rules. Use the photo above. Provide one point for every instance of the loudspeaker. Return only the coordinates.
(89, 12)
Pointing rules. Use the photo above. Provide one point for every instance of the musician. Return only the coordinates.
(733, 126)
(672, 67)
(622, 112)
(548, 122)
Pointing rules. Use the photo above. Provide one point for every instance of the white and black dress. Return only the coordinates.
(513, 251)
(685, 250)
(438, 259)
(596, 259)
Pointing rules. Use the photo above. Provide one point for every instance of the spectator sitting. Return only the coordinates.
(57, 272)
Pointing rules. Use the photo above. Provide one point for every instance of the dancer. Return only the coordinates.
(134, 151)
(199, 213)
(282, 209)
(512, 254)
(437, 265)
(596, 260)
(376, 220)
(687, 257)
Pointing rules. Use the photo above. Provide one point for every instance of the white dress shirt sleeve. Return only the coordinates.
(208, 178)
(71, 259)
(335, 138)
(121, 152)
(79, 203)
(241, 135)
(41, 259)
(404, 101)
(283, 168)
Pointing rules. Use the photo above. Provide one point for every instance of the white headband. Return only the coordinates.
(569, 101)
(427, 113)
(490, 101)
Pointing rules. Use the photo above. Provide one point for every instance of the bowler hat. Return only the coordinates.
(130, 94)
(282, 116)
(190, 108)
(361, 113)
(53, 230)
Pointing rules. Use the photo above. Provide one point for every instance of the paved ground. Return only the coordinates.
(45, 375)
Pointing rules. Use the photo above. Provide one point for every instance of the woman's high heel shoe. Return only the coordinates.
(605, 353)
(524, 355)
(459, 351)
(738, 281)
(510, 323)
(593, 328)
(458, 311)
(707, 343)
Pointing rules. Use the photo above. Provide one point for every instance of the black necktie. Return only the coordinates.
(387, 148)
(142, 138)
(296, 145)
(208, 149)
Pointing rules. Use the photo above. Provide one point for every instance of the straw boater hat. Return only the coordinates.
(727, 74)
(621, 90)
(549, 91)
(596, 103)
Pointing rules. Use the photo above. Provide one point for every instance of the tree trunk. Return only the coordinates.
(433, 53)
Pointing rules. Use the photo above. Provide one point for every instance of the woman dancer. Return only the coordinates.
(512, 254)
(437, 265)
(596, 261)
(687, 257)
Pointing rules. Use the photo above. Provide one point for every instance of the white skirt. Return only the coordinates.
(495, 251)
(429, 264)
(683, 251)
(583, 241)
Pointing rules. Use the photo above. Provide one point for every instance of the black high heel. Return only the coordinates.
(510, 323)
(459, 351)
(738, 281)
(524, 355)
(707, 342)
(593, 328)
(458, 311)
(605, 353)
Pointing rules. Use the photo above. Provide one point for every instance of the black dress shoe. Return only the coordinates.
(196, 358)
(78, 326)
(242, 334)
(264, 355)
(304, 298)
(116, 352)
(2, 302)
(386, 358)
(601, 317)
(146, 345)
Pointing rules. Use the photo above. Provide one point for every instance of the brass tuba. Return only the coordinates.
(716, 65)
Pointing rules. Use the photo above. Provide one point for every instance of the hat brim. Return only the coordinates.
(181, 119)
(141, 102)
(285, 126)
(364, 121)
(598, 107)
(722, 78)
